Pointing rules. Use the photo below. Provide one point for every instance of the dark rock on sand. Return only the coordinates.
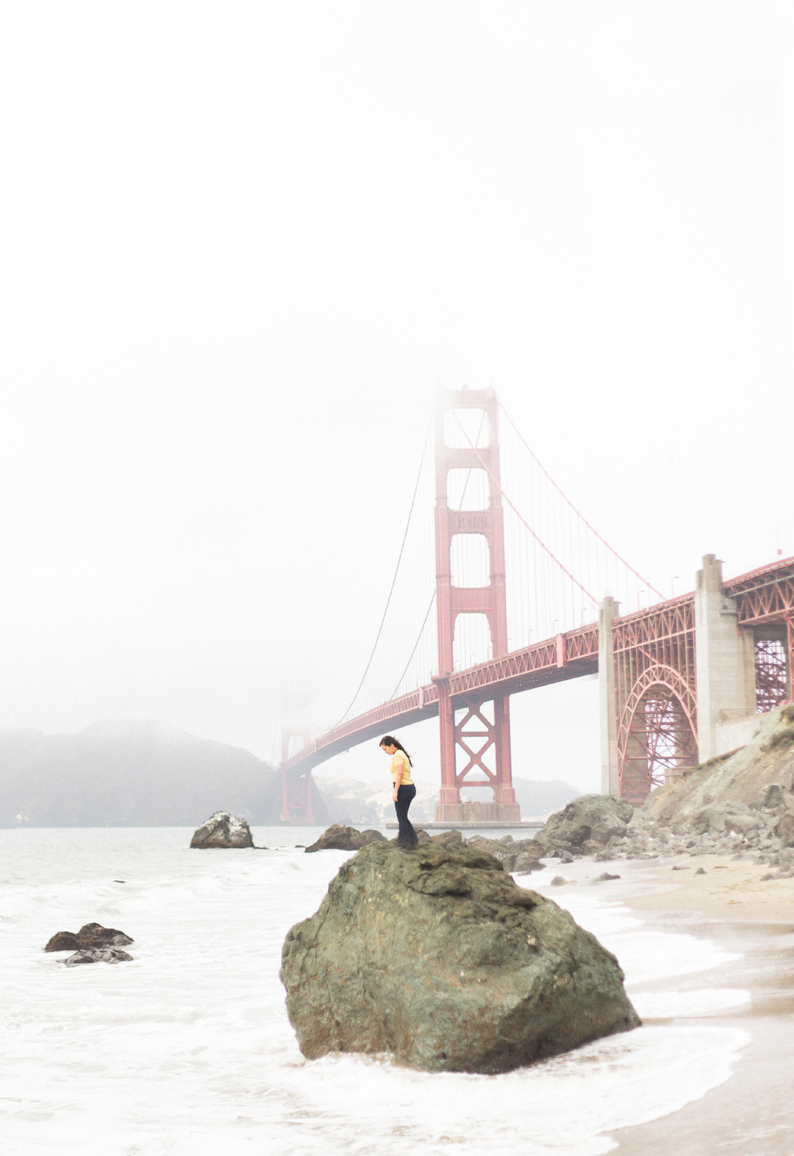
(91, 935)
(591, 819)
(223, 830)
(97, 955)
(440, 958)
(339, 838)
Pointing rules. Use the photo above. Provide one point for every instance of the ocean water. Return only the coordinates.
(188, 1049)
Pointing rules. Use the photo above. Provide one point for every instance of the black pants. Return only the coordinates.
(406, 836)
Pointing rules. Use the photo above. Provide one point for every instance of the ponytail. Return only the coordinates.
(391, 741)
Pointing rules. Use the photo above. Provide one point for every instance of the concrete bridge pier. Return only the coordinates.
(725, 660)
(607, 612)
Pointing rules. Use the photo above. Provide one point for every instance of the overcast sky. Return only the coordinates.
(242, 243)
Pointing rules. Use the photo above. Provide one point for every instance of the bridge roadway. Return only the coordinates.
(762, 596)
(557, 659)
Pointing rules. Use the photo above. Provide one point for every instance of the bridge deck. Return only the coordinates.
(557, 659)
(763, 596)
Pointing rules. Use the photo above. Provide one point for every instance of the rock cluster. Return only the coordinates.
(518, 856)
(339, 838)
(761, 834)
(437, 956)
(92, 936)
(222, 830)
(97, 955)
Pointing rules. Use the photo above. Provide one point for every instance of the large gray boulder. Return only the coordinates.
(593, 819)
(438, 957)
(223, 830)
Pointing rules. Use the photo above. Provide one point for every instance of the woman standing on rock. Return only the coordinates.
(404, 789)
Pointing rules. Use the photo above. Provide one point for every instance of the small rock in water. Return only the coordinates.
(97, 955)
(603, 876)
(223, 830)
(63, 941)
(91, 935)
(558, 881)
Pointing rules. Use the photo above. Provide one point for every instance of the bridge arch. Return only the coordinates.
(657, 731)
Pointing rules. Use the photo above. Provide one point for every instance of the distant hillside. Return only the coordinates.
(355, 802)
(132, 774)
(538, 799)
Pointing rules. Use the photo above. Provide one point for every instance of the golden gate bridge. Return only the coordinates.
(680, 680)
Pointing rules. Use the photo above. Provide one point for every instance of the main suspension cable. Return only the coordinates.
(394, 579)
(416, 644)
(565, 498)
(521, 517)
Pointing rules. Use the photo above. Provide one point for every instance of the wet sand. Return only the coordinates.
(752, 1113)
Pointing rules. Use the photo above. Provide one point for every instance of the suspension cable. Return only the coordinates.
(413, 652)
(521, 517)
(394, 579)
(565, 498)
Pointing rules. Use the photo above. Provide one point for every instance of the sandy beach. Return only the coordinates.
(751, 1113)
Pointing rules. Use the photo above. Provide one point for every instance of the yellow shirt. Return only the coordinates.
(401, 762)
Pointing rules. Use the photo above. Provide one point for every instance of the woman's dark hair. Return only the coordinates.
(391, 741)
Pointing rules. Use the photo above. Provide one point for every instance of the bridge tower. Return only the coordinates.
(482, 741)
(296, 788)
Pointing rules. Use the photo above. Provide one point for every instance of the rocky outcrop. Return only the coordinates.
(223, 830)
(757, 780)
(97, 955)
(586, 825)
(91, 936)
(339, 838)
(440, 958)
(740, 805)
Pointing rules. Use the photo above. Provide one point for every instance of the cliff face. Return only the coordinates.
(135, 774)
(759, 777)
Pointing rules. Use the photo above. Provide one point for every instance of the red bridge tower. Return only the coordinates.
(479, 732)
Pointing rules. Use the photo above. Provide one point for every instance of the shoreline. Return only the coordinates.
(751, 1113)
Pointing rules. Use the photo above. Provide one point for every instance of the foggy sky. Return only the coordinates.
(244, 242)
